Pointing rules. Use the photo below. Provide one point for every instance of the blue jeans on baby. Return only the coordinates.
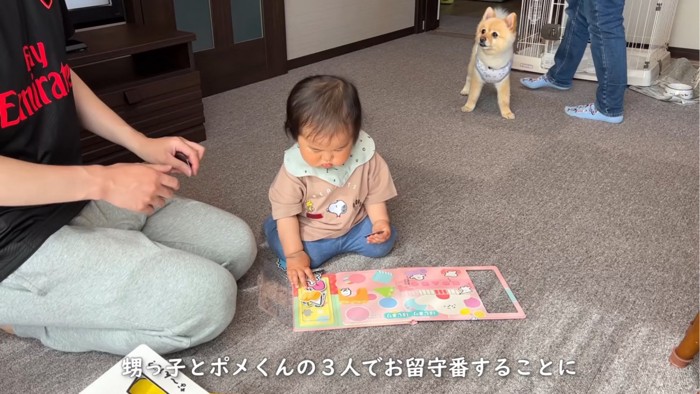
(323, 250)
(599, 21)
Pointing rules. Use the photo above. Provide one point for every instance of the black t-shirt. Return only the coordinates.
(38, 119)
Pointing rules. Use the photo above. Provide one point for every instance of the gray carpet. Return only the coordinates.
(594, 226)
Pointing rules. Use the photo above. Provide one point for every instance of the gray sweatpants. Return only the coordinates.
(113, 279)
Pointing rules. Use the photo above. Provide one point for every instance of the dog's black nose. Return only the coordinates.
(482, 41)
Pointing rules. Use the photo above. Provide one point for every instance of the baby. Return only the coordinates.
(330, 195)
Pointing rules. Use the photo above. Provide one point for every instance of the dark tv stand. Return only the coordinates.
(75, 46)
(147, 76)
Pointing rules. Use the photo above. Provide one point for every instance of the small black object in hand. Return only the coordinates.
(183, 157)
(377, 233)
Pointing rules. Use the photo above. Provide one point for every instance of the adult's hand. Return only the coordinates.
(137, 187)
(163, 150)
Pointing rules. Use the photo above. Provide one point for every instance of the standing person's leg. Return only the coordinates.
(608, 47)
(110, 289)
(570, 52)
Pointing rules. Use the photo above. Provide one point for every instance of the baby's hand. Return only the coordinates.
(299, 269)
(381, 232)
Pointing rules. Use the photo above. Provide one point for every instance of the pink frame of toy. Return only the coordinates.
(394, 296)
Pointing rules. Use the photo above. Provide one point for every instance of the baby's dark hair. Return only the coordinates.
(325, 104)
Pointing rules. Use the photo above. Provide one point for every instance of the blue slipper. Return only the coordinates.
(588, 111)
(540, 82)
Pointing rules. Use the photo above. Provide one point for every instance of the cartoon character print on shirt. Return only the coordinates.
(339, 207)
(310, 211)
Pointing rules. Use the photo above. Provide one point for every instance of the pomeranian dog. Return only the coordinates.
(491, 59)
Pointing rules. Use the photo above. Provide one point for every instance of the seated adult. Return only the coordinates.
(98, 257)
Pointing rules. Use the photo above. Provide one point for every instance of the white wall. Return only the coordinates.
(686, 31)
(317, 25)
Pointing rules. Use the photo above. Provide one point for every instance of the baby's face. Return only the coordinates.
(325, 152)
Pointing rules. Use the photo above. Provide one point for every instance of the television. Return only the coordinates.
(90, 13)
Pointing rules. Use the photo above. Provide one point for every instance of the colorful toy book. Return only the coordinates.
(394, 296)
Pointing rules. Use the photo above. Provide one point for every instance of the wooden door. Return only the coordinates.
(238, 41)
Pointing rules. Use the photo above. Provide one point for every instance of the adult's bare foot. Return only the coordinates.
(7, 329)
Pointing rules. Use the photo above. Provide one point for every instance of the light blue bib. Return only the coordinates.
(362, 151)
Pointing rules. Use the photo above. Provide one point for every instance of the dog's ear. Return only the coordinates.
(512, 21)
(490, 13)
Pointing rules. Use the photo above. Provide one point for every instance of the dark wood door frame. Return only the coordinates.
(225, 67)
(222, 70)
(153, 13)
(230, 65)
(426, 15)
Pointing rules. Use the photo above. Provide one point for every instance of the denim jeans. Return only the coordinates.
(599, 21)
(324, 249)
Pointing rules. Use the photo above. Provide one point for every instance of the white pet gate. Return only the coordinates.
(647, 24)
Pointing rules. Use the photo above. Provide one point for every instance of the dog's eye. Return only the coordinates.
(494, 34)
(483, 31)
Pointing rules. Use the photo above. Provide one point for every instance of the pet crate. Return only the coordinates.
(647, 25)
